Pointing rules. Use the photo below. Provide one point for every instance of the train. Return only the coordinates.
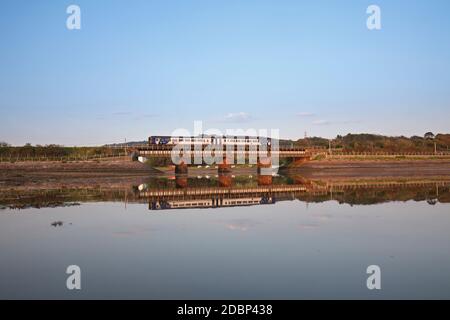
(210, 140)
(209, 203)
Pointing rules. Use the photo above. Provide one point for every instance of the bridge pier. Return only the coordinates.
(224, 167)
(217, 201)
(181, 181)
(265, 180)
(181, 168)
(264, 165)
(225, 180)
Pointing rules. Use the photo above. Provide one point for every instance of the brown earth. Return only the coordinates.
(84, 173)
(374, 169)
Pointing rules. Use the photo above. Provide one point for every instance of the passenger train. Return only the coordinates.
(210, 203)
(210, 140)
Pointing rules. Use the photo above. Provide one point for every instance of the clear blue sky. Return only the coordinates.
(139, 68)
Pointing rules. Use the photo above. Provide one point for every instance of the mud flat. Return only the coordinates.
(46, 174)
(375, 169)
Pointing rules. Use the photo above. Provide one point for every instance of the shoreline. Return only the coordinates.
(135, 167)
(118, 173)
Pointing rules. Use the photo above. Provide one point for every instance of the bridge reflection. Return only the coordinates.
(229, 191)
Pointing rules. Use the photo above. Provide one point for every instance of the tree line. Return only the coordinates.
(379, 143)
(56, 151)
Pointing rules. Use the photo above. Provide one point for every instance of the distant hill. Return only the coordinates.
(127, 144)
(366, 142)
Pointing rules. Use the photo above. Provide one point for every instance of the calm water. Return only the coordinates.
(311, 243)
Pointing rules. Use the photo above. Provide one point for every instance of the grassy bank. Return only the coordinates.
(381, 157)
(57, 153)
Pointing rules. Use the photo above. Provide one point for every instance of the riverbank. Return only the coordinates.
(337, 169)
(382, 157)
(110, 173)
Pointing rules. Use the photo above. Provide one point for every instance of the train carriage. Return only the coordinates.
(237, 141)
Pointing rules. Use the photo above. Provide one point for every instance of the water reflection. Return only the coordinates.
(231, 236)
(227, 190)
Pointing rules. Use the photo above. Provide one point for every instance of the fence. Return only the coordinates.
(390, 154)
(69, 158)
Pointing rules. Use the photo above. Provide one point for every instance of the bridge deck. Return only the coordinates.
(166, 151)
(222, 191)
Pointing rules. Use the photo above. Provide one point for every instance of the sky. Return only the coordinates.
(148, 67)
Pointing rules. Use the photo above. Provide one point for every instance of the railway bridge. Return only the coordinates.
(230, 156)
(229, 195)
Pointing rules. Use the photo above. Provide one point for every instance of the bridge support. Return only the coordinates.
(224, 167)
(181, 181)
(265, 165)
(264, 180)
(217, 201)
(181, 168)
(225, 180)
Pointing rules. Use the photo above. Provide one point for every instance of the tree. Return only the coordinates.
(429, 135)
(4, 144)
